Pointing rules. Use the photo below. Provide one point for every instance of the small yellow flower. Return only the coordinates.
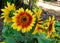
(23, 20)
(38, 29)
(6, 12)
(38, 13)
(50, 26)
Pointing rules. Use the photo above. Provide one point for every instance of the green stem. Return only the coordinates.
(26, 37)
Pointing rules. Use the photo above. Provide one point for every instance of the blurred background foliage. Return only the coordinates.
(18, 3)
(50, 0)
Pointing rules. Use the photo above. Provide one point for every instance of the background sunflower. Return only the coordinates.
(8, 12)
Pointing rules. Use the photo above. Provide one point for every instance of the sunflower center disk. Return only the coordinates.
(50, 28)
(24, 19)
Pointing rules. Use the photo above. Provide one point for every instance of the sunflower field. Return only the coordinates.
(23, 23)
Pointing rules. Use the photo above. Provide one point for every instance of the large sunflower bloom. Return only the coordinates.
(50, 27)
(7, 12)
(23, 20)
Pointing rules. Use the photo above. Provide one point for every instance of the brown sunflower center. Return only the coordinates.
(50, 28)
(24, 19)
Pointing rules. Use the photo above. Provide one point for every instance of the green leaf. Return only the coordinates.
(57, 24)
(10, 40)
(58, 29)
(11, 13)
(5, 27)
(7, 31)
(18, 36)
(42, 39)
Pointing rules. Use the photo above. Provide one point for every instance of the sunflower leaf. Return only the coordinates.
(42, 39)
(5, 27)
(58, 29)
(10, 40)
(57, 24)
(11, 13)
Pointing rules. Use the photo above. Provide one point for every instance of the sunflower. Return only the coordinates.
(23, 20)
(50, 26)
(38, 13)
(7, 12)
(38, 29)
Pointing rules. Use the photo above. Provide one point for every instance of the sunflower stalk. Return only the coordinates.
(26, 37)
